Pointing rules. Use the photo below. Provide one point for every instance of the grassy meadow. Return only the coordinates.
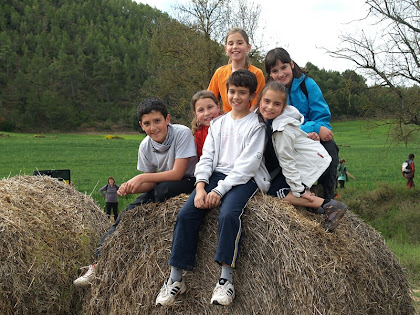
(378, 194)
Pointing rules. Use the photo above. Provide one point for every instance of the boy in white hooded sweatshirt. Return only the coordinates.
(294, 161)
(229, 173)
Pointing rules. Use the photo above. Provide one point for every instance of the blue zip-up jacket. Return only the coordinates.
(314, 109)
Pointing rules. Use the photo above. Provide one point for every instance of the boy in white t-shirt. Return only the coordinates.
(167, 158)
(228, 174)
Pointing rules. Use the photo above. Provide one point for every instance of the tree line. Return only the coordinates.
(86, 64)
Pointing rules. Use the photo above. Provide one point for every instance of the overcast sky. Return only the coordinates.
(303, 27)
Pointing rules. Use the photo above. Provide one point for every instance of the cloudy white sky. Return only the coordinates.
(303, 27)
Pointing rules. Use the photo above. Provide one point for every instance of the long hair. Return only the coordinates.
(246, 38)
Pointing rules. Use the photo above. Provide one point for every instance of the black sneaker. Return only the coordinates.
(333, 212)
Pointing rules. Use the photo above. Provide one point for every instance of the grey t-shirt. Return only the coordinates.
(160, 157)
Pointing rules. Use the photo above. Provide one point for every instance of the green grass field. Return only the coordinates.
(90, 158)
(369, 157)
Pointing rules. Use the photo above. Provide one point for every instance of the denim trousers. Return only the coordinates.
(189, 219)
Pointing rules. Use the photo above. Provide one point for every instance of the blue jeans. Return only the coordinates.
(189, 219)
(160, 193)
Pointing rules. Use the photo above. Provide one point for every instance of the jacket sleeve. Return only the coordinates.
(247, 164)
(319, 112)
(284, 144)
(102, 191)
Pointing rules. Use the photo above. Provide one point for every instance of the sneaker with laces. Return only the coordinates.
(223, 293)
(169, 291)
(333, 211)
(85, 280)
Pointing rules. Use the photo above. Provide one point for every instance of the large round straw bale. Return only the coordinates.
(288, 265)
(47, 231)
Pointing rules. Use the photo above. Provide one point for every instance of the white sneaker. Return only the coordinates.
(169, 291)
(223, 293)
(85, 280)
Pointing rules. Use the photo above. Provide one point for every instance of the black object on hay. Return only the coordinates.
(288, 265)
(47, 231)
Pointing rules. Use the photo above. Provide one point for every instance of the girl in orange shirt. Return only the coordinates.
(237, 48)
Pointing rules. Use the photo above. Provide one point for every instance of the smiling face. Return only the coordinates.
(272, 104)
(236, 47)
(282, 72)
(205, 110)
(155, 125)
(239, 98)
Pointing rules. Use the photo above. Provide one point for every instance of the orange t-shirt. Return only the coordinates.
(218, 84)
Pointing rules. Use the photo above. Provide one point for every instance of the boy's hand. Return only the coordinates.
(132, 186)
(213, 200)
(325, 134)
(200, 198)
(313, 136)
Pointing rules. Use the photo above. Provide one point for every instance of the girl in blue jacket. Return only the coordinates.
(306, 96)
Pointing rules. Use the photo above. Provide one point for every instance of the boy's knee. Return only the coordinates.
(161, 192)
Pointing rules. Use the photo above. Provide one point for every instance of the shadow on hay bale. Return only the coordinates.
(287, 265)
(47, 230)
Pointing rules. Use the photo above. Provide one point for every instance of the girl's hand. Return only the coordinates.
(200, 199)
(313, 136)
(325, 134)
(213, 200)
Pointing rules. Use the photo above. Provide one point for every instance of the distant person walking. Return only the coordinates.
(109, 191)
(408, 170)
(342, 173)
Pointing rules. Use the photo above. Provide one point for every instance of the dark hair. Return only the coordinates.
(243, 78)
(281, 54)
(275, 86)
(411, 156)
(151, 104)
(246, 38)
(110, 177)
(195, 124)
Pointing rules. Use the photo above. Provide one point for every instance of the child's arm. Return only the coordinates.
(348, 174)
(147, 181)
(318, 113)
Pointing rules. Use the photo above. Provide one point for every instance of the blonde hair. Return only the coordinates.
(195, 124)
(245, 36)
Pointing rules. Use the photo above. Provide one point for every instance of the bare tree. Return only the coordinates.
(213, 18)
(392, 57)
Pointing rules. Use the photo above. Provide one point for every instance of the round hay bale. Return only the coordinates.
(288, 265)
(47, 231)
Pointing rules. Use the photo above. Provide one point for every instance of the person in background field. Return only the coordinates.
(167, 158)
(205, 108)
(109, 191)
(409, 174)
(342, 173)
(293, 160)
(306, 96)
(228, 174)
(237, 47)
